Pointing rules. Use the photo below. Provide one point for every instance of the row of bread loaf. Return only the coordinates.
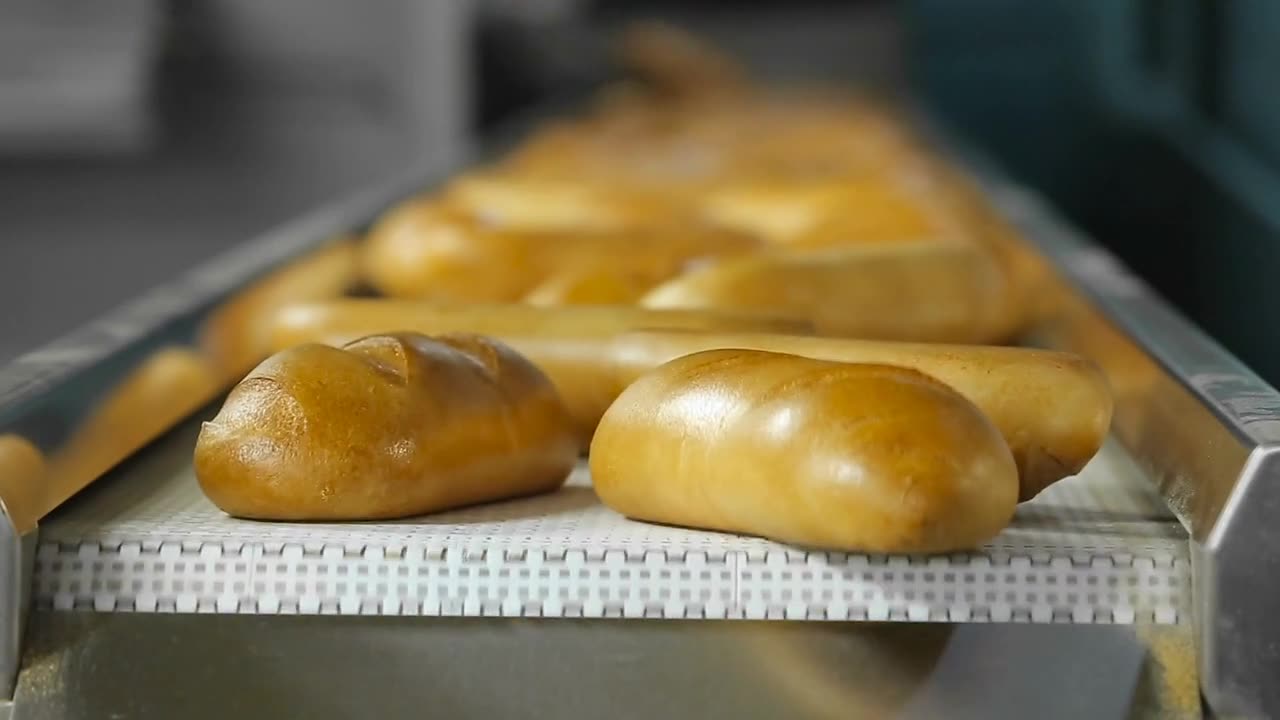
(710, 298)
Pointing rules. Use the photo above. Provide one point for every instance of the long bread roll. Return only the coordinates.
(1053, 408)
(861, 458)
(919, 291)
(428, 250)
(564, 341)
(388, 426)
(424, 249)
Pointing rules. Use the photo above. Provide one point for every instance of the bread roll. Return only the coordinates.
(1053, 408)
(425, 250)
(564, 342)
(388, 426)
(235, 335)
(924, 291)
(858, 458)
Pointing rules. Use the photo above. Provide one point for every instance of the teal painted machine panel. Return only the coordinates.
(1155, 124)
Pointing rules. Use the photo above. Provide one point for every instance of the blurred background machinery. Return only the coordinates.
(138, 139)
(1154, 124)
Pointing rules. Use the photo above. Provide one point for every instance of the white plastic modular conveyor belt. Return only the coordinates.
(1098, 548)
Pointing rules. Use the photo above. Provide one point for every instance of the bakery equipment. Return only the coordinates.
(1103, 588)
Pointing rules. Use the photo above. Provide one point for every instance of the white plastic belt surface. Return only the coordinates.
(1097, 548)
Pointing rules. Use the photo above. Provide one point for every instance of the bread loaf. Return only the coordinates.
(858, 458)
(564, 342)
(1053, 408)
(428, 250)
(387, 426)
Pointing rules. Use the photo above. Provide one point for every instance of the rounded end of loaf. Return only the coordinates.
(264, 455)
(1076, 413)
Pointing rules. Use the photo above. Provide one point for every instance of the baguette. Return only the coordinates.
(388, 426)
(425, 250)
(857, 458)
(564, 342)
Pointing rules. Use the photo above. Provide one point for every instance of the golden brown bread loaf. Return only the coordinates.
(920, 291)
(860, 458)
(428, 250)
(563, 341)
(235, 335)
(1053, 408)
(387, 426)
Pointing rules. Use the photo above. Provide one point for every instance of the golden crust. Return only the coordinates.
(1053, 408)
(860, 458)
(387, 426)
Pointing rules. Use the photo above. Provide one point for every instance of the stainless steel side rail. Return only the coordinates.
(1204, 427)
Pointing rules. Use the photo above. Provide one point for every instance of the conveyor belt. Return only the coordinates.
(1098, 548)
